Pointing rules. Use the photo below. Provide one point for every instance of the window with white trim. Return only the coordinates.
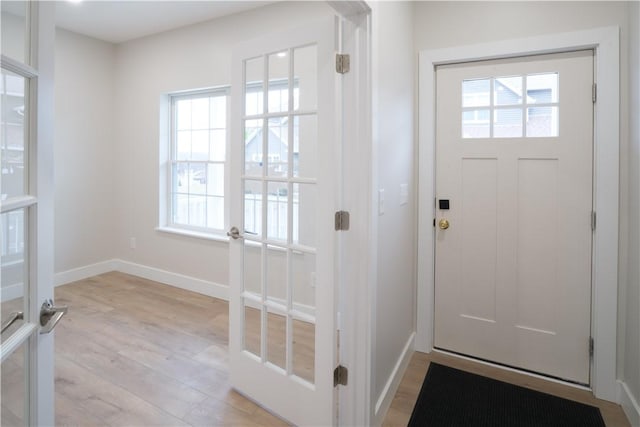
(197, 163)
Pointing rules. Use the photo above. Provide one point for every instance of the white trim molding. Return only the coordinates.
(630, 406)
(605, 42)
(177, 280)
(85, 272)
(181, 281)
(383, 401)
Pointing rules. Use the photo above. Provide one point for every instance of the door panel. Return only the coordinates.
(514, 157)
(26, 206)
(282, 304)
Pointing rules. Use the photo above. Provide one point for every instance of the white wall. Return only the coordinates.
(447, 24)
(84, 151)
(631, 353)
(393, 58)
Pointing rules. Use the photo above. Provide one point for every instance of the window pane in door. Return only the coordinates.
(507, 90)
(254, 87)
(476, 93)
(251, 332)
(15, 280)
(278, 146)
(303, 351)
(305, 146)
(14, 30)
(542, 88)
(305, 80)
(304, 214)
(542, 121)
(276, 265)
(507, 123)
(15, 379)
(253, 207)
(253, 140)
(475, 123)
(252, 269)
(303, 281)
(277, 211)
(277, 339)
(13, 135)
(278, 95)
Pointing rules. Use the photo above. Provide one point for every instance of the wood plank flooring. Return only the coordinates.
(407, 394)
(132, 352)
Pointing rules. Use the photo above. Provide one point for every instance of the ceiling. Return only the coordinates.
(120, 21)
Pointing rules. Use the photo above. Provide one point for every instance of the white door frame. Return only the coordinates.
(604, 315)
(354, 321)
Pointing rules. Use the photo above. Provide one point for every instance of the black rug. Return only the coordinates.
(450, 397)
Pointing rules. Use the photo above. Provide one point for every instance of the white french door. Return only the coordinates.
(26, 204)
(284, 193)
(514, 153)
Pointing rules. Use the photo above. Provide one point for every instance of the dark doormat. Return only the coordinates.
(450, 397)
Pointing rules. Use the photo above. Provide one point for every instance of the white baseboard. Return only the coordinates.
(629, 403)
(174, 279)
(181, 281)
(391, 387)
(82, 273)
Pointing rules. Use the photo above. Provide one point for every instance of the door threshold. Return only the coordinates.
(506, 368)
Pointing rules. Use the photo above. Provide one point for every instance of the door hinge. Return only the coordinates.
(343, 62)
(594, 92)
(591, 347)
(340, 376)
(342, 221)
(593, 220)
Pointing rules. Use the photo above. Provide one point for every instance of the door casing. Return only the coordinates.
(605, 42)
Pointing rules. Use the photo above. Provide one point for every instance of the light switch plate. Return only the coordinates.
(404, 194)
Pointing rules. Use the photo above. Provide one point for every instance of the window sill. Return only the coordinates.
(196, 234)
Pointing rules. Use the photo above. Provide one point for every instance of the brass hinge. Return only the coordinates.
(340, 376)
(594, 92)
(591, 347)
(342, 221)
(343, 63)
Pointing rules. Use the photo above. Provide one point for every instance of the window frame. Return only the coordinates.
(169, 159)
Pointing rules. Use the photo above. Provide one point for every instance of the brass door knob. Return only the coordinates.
(443, 224)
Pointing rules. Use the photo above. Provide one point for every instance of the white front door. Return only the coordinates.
(26, 233)
(514, 212)
(284, 189)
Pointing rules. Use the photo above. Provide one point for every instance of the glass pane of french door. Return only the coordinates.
(14, 375)
(14, 255)
(279, 186)
(17, 203)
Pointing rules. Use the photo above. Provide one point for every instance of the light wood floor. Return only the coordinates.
(407, 394)
(133, 352)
